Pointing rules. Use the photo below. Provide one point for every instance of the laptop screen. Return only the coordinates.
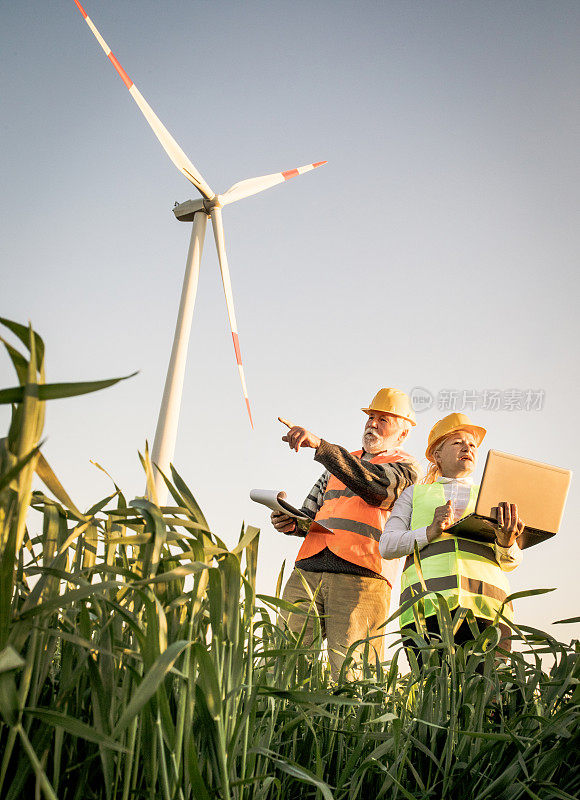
(539, 490)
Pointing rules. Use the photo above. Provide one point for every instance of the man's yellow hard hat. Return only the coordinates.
(450, 424)
(392, 401)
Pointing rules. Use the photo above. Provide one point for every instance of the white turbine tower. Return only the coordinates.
(196, 211)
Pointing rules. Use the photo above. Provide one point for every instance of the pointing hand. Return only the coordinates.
(298, 437)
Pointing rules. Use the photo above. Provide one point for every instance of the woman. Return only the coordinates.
(468, 574)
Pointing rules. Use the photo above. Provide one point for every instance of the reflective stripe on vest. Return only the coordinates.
(464, 572)
(358, 526)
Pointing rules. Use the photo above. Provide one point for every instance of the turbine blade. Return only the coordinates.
(168, 143)
(218, 232)
(254, 185)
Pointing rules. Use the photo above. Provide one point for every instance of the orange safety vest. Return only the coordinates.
(357, 525)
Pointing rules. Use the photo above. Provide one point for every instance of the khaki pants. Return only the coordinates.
(351, 607)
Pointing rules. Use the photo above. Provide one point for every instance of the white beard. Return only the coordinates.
(375, 444)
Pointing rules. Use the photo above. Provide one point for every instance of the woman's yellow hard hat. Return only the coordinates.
(392, 401)
(450, 424)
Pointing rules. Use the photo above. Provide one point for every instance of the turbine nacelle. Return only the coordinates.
(185, 212)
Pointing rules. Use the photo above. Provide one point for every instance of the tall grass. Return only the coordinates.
(136, 661)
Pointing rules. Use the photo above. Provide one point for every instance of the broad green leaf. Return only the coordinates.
(200, 791)
(296, 771)
(280, 579)
(73, 726)
(314, 698)
(408, 604)
(19, 362)
(81, 642)
(527, 593)
(10, 659)
(9, 702)
(41, 776)
(58, 391)
(175, 574)
(388, 716)
(246, 539)
(23, 333)
(150, 683)
(63, 600)
(286, 605)
(47, 476)
(147, 465)
(208, 680)
(7, 478)
(215, 597)
(190, 500)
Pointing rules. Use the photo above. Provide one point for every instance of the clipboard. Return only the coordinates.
(275, 500)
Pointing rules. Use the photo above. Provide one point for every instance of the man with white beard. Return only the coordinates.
(353, 498)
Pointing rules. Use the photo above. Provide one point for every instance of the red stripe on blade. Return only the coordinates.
(291, 173)
(249, 413)
(124, 77)
(237, 348)
(81, 9)
(320, 163)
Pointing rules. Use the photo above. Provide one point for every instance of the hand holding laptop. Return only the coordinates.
(509, 524)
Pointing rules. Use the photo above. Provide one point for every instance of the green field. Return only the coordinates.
(137, 661)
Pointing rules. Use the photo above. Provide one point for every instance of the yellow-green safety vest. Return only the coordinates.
(464, 572)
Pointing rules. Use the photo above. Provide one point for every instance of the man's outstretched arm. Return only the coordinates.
(376, 484)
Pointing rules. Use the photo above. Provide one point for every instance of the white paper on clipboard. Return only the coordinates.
(275, 500)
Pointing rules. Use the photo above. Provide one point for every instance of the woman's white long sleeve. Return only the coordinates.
(397, 540)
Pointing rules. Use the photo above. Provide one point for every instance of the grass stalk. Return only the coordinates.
(39, 772)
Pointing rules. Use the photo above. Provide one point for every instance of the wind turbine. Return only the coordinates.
(196, 211)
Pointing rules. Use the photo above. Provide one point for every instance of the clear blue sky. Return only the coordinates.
(437, 248)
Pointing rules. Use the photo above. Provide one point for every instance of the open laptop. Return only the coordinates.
(538, 490)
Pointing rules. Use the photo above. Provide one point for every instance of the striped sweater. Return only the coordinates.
(376, 484)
